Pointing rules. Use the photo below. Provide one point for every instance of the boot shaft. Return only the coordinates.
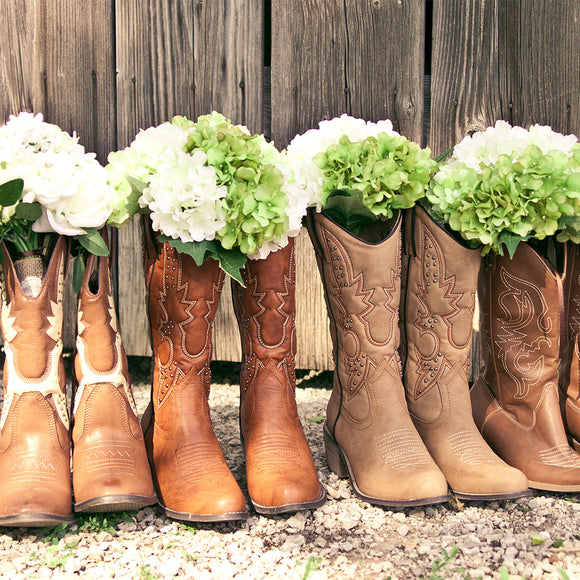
(570, 379)
(521, 307)
(440, 284)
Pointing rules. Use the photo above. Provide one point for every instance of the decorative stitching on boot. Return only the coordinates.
(468, 449)
(401, 449)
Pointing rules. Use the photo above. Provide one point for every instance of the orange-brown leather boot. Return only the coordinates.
(110, 467)
(34, 439)
(440, 283)
(369, 434)
(279, 467)
(192, 478)
(570, 376)
(516, 397)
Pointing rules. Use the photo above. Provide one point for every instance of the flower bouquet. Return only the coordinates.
(359, 172)
(211, 189)
(508, 184)
(50, 186)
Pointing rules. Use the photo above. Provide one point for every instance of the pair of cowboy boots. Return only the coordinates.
(109, 463)
(192, 477)
(403, 432)
(526, 401)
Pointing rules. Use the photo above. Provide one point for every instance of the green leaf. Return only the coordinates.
(78, 273)
(11, 192)
(536, 539)
(510, 241)
(93, 242)
(230, 261)
(28, 211)
(345, 207)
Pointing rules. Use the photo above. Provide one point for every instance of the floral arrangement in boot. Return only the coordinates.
(211, 189)
(508, 184)
(49, 185)
(357, 171)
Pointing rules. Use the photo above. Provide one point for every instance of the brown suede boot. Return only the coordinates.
(193, 480)
(440, 283)
(570, 376)
(279, 466)
(369, 434)
(34, 440)
(515, 399)
(110, 467)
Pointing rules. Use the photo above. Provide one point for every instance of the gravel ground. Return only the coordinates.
(536, 537)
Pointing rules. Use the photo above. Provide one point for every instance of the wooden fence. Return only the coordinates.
(438, 69)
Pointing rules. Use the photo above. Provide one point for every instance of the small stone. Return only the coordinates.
(297, 522)
(169, 568)
(403, 530)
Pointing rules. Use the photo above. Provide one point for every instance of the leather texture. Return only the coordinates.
(440, 284)
(192, 478)
(369, 434)
(280, 470)
(516, 397)
(110, 467)
(34, 439)
(570, 375)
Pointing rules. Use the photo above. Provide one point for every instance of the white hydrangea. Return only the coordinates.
(183, 197)
(69, 184)
(503, 139)
(300, 153)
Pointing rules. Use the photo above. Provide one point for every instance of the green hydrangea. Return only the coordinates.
(389, 171)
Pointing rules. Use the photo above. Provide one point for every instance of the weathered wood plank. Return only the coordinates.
(330, 58)
(186, 57)
(57, 58)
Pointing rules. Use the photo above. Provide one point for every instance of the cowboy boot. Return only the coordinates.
(279, 467)
(368, 433)
(110, 467)
(193, 480)
(34, 439)
(515, 399)
(570, 377)
(440, 283)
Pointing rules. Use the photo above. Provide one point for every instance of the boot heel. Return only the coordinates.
(334, 458)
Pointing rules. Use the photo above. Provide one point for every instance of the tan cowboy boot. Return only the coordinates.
(369, 434)
(34, 440)
(570, 377)
(440, 283)
(515, 399)
(193, 480)
(279, 466)
(110, 467)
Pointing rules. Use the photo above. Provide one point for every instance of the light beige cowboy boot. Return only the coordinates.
(279, 466)
(570, 376)
(193, 480)
(369, 434)
(516, 397)
(440, 283)
(34, 439)
(110, 467)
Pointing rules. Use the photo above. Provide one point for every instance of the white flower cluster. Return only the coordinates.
(179, 190)
(69, 184)
(299, 155)
(502, 139)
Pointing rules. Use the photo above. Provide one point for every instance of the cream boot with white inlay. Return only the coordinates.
(110, 466)
(34, 438)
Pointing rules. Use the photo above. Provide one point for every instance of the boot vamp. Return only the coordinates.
(34, 458)
(109, 455)
(279, 465)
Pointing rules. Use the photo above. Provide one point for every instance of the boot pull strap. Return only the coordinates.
(561, 280)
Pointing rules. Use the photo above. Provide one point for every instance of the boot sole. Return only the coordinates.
(339, 464)
(492, 496)
(292, 507)
(115, 503)
(187, 517)
(554, 487)
(34, 520)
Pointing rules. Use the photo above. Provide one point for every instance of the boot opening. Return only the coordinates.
(377, 231)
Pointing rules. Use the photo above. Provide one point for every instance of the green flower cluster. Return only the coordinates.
(255, 207)
(530, 195)
(390, 171)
